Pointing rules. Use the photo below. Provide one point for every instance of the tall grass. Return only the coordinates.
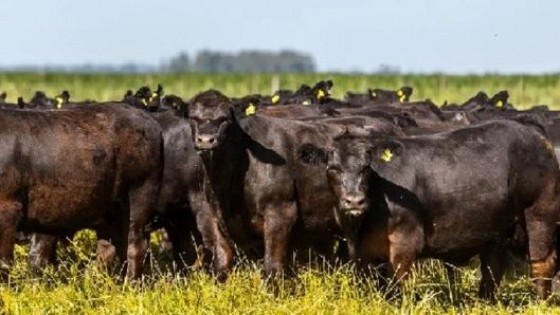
(78, 286)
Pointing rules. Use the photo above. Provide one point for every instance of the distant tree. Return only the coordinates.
(244, 61)
(179, 63)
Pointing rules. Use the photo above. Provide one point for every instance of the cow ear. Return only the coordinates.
(181, 108)
(385, 152)
(246, 106)
(311, 154)
(159, 90)
(127, 95)
(65, 95)
(21, 103)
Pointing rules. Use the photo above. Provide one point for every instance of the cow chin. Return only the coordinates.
(354, 212)
(205, 147)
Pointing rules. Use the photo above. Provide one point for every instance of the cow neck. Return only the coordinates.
(226, 163)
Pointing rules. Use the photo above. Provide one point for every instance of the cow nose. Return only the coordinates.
(206, 139)
(353, 201)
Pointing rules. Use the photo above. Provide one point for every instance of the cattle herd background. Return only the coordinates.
(368, 183)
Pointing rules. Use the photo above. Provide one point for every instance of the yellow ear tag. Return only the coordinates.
(387, 155)
(320, 94)
(306, 102)
(250, 110)
(275, 98)
(59, 101)
(499, 104)
(373, 94)
(143, 101)
(401, 95)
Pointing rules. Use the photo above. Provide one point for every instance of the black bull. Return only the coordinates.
(95, 167)
(473, 191)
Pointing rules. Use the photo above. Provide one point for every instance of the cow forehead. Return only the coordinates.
(355, 162)
(214, 111)
(351, 155)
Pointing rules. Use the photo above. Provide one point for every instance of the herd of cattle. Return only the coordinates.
(392, 180)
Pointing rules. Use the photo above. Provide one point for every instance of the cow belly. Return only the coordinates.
(70, 201)
(465, 230)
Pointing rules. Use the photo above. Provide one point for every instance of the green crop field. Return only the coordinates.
(78, 286)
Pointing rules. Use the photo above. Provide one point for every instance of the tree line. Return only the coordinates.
(244, 61)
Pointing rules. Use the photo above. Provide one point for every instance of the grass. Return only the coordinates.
(78, 286)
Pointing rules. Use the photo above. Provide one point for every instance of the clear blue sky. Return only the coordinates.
(454, 36)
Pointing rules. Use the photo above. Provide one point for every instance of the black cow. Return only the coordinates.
(473, 191)
(103, 172)
(144, 98)
(183, 204)
(305, 95)
(380, 96)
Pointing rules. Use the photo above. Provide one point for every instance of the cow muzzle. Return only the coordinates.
(353, 205)
(205, 142)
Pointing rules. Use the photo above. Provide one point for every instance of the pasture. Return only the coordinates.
(78, 286)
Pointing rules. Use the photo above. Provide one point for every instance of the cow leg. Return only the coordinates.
(215, 240)
(277, 228)
(542, 256)
(212, 229)
(403, 248)
(42, 250)
(492, 266)
(9, 211)
(142, 205)
(111, 240)
(541, 236)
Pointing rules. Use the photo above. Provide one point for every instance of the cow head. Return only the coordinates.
(41, 100)
(210, 114)
(500, 100)
(321, 91)
(62, 99)
(145, 98)
(348, 174)
(351, 163)
(388, 96)
(404, 94)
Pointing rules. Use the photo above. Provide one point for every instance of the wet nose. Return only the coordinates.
(206, 139)
(353, 201)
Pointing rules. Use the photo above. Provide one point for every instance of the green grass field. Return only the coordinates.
(77, 286)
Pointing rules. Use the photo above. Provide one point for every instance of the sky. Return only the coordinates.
(450, 36)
